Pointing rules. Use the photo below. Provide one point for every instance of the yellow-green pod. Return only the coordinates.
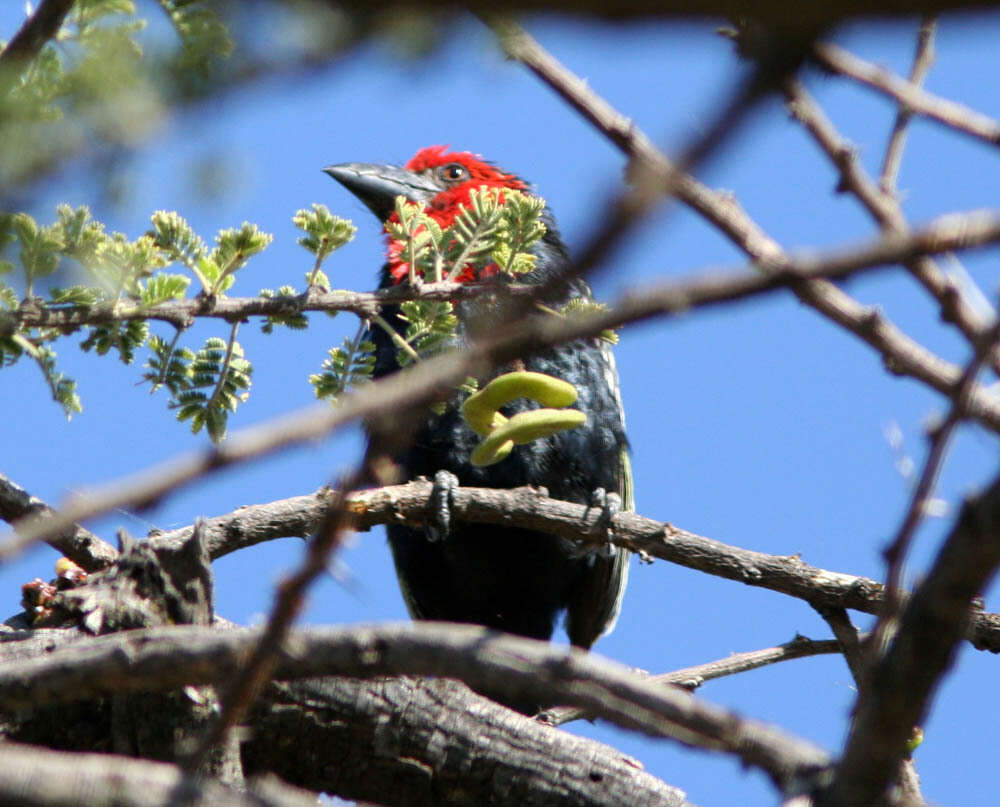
(482, 421)
(523, 428)
(538, 423)
(490, 451)
(480, 408)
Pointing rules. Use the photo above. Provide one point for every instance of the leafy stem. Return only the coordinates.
(224, 373)
(161, 377)
(397, 340)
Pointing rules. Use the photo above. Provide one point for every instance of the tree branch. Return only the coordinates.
(527, 508)
(38, 29)
(895, 552)
(183, 313)
(923, 58)
(418, 741)
(425, 382)
(901, 354)
(31, 776)
(886, 211)
(78, 544)
(510, 666)
(394, 740)
(690, 678)
(247, 683)
(897, 693)
(918, 101)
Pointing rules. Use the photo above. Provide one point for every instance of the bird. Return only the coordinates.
(506, 578)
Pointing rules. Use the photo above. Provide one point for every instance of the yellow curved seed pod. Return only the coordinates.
(538, 423)
(483, 422)
(480, 409)
(490, 452)
(523, 428)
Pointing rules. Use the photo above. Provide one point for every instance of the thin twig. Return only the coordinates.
(901, 685)
(923, 491)
(922, 61)
(182, 313)
(690, 678)
(850, 643)
(886, 210)
(920, 102)
(847, 637)
(227, 363)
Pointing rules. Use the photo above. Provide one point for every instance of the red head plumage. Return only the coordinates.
(457, 173)
(440, 179)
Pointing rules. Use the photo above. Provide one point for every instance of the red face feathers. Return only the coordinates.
(439, 179)
(457, 174)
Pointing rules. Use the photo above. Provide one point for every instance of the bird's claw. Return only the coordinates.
(611, 505)
(439, 520)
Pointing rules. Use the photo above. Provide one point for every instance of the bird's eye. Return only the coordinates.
(453, 172)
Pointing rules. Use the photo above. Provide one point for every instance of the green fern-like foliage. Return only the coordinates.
(204, 38)
(169, 366)
(495, 230)
(125, 337)
(294, 319)
(232, 251)
(177, 239)
(40, 248)
(347, 366)
(470, 240)
(581, 307)
(219, 380)
(61, 387)
(86, 85)
(497, 227)
(324, 233)
(420, 238)
(215, 270)
(162, 287)
(521, 226)
(430, 324)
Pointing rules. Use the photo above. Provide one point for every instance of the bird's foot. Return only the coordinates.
(610, 504)
(439, 518)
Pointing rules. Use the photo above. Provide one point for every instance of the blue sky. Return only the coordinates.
(759, 424)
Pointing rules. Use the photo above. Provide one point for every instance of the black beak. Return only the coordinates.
(379, 185)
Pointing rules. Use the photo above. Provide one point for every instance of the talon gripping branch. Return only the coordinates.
(505, 578)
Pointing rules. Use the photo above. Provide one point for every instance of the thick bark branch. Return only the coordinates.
(420, 742)
(77, 543)
(509, 666)
(37, 777)
(400, 741)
